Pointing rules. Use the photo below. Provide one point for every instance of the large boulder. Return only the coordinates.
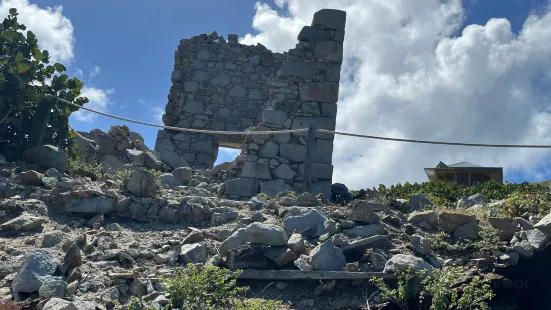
(449, 221)
(506, 227)
(365, 231)
(309, 224)
(419, 202)
(37, 268)
(467, 202)
(327, 257)
(364, 211)
(93, 205)
(430, 217)
(48, 156)
(141, 183)
(246, 187)
(59, 304)
(171, 158)
(403, 262)
(544, 225)
(24, 222)
(259, 233)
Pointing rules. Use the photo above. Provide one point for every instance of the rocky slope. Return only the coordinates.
(70, 240)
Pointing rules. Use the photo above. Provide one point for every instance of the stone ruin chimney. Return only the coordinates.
(227, 86)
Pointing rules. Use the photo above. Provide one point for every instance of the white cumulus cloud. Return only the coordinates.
(408, 74)
(53, 30)
(98, 101)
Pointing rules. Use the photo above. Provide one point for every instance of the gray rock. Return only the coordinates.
(136, 156)
(296, 69)
(141, 183)
(168, 179)
(507, 227)
(285, 172)
(31, 178)
(255, 170)
(247, 187)
(363, 211)
(449, 221)
(365, 231)
(419, 202)
(330, 19)
(221, 79)
(183, 174)
(327, 257)
(191, 86)
(53, 173)
(47, 156)
(297, 244)
(94, 205)
(313, 34)
(469, 231)
(51, 239)
(110, 164)
(536, 238)
(194, 107)
(172, 159)
(37, 267)
(430, 217)
(420, 244)
(402, 262)
(259, 233)
(110, 295)
(281, 256)
(53, 287)
(237, 91)
(319, 171)
(310, 224)
(319, 91)
(224, 217)
(524, 249)
(152, 161)
(303, 263)
(268, 149)
(292, 152)
(524, 224)
(467, 202)
(276, 117)
(193, 253)
(331, 227)
(24, 222)
(544, 225)
(60, 304)
(274, 187)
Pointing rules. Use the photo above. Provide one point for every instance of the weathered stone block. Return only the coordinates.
(285, 172)
(313, 34)
(330, 19)
(293, 152)
(247, 187)
(319, 91)
(255, 170)
(297, 69)
(237, 92)
(269, 150)
(195, 107)
(176, 76)
(221, 79)
(320, 171)
(276, 117)
(274, 187)
(329, 50)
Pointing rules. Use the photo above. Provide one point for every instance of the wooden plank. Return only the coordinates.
(312, 128)
(273, 275)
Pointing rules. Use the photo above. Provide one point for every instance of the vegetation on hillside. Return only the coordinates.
(521, 197)
(26, 78)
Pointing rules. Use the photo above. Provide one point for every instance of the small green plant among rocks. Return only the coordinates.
(444, 243)
(444, 289)
(211, 287)
(78, 166)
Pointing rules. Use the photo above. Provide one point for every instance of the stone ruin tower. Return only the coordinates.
(227, 86)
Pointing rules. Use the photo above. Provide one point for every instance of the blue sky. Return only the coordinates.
(126, 48)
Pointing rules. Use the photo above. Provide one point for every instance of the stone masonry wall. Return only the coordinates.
(305, 91)
(221, 85)
(217, 85)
